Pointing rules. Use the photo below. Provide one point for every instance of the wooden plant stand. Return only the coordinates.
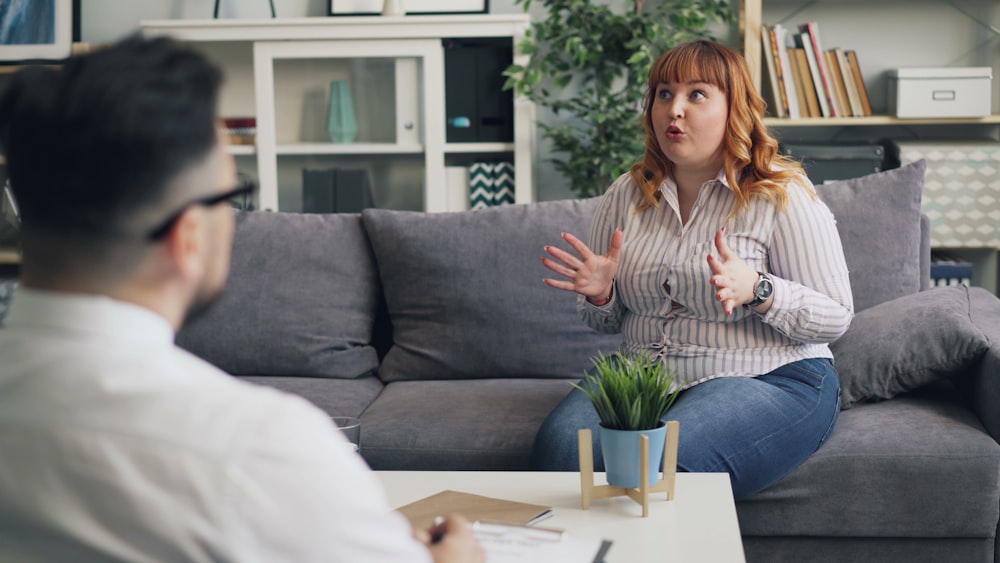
(589, 491)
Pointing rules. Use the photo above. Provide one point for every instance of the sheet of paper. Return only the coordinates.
(520, 544)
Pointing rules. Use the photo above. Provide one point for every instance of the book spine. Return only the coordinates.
(811, 29)
(788, 79)
(839, 90)
(808, 89)
(779, 71)
(848, 77)
(765, 37)
(824, 103)
(852, 58)
(800, 93)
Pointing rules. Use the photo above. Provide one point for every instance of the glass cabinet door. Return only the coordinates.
(343, 124)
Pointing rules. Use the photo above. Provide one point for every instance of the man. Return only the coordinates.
(115, 444)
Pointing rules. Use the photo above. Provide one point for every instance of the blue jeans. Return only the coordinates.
(757, 429)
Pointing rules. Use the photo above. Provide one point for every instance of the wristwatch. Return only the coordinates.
(762, 289)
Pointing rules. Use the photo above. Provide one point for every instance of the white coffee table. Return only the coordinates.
(700, 525)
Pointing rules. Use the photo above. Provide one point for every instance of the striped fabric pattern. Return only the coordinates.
(663, 303)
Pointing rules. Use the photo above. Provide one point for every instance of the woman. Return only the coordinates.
(715, 256)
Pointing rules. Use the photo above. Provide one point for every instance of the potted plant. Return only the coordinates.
(589, 60)
(632, 394)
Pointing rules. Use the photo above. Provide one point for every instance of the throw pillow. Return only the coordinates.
(878, 218)
(465, 295)
(301, 299)
(905, 343)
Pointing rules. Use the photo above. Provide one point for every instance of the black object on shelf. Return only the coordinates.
(215, 13)
(827, 163)
(336, 190)
(477, 108)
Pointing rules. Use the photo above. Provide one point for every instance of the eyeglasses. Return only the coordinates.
(244, 189)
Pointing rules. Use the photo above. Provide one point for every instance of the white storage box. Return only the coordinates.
(940, 92)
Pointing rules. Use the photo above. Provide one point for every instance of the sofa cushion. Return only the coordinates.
(908, 342)
(465, 295)
(918, 466)
(336, 397)
(301, 299)
(878, 218)
(481, 424)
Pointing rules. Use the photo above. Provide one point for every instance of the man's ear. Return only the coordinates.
(184, 244)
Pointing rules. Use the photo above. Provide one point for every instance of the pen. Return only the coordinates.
(437, 535)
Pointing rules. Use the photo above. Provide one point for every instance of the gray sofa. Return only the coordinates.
(437, 331)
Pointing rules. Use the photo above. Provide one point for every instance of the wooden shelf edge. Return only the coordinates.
(347, 148)
(876, 120)
(10, 256)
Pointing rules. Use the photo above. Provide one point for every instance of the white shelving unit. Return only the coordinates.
(290, 56)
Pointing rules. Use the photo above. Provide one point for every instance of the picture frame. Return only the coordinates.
(412, 7)
(39, 30)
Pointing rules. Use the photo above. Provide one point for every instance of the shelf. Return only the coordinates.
(348, 148)
(875, 120)
(463, 148)
(240, 150)
(9, 256)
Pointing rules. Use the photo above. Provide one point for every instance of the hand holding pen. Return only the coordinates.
(451, 540)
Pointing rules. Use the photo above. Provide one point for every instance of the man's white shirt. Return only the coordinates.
(117, 445)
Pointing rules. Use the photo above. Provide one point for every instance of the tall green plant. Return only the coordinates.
(630, 392)
(590, 61)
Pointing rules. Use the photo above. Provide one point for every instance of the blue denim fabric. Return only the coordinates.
(757, 429)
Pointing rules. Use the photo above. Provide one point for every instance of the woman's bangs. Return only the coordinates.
(692, 64)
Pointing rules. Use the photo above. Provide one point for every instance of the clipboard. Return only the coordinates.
(504, 528)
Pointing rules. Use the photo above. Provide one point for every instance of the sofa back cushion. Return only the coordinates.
(301, 299)
(879, 221)
(465, 295)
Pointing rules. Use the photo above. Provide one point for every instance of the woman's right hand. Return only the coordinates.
(591, 275)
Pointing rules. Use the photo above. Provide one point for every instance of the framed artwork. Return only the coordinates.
(36, 30)
(374, 7)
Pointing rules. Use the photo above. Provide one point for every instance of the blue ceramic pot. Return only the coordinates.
(621, 454)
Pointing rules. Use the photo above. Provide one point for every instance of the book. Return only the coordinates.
(422, 513)
(811, 30)
(772, 72)
(796, 76)
(852, 59)
(848, 78)
(837, 84)
(787, 80)
(803, 40)
(805, 76)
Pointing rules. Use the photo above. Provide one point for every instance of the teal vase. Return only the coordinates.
(340, 122)
(621, 454)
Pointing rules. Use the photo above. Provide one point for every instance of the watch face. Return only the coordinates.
(764, 288)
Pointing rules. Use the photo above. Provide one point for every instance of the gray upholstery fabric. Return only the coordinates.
(910, 341)
(984, 383)
(917, 466)
(878, 217)
(300, 300)
(485, 424)
(337, 397)
(867, 549)
(465, 294)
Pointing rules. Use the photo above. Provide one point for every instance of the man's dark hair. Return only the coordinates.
(90, 144)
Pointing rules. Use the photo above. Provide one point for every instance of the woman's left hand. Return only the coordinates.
(732, 278)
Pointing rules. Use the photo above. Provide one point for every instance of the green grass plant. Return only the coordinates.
(630, 392)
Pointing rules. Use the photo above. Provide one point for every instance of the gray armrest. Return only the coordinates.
(983, 384)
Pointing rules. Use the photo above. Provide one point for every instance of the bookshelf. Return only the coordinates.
(752, 22)
(280, 69)
(895, 34)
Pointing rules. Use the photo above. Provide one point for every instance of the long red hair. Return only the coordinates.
(753, 165)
